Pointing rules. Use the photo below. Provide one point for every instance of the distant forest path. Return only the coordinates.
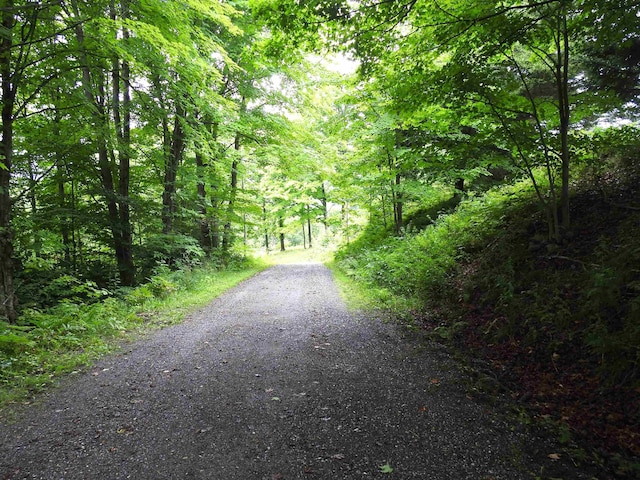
(273, 380)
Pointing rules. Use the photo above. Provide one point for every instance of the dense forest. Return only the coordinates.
(138, 134)
(476, 161)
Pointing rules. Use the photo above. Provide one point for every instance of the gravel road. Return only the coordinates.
(274, 380)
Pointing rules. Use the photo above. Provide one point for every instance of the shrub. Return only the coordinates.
(173, 251)
(421, 263)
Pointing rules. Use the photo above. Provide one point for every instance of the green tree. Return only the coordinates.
(26, 47)
(508, 71)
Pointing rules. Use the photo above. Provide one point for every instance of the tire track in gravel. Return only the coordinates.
(274, 380)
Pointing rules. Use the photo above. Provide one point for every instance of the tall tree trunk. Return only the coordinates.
(398, 205)
(94, 86)
(62, 205)
(215, 221)
(205, 229)
(325, 209)
(245, 228)
(8, 301)
(209, 222)
(396, 195)
(564, 108)
(172, 162)
(383, 199)
(60, 183)
(281, 225)
(122, 117)
(76, 239)
(37, 238)
(309, 225)
(264, 221)
(227, 239)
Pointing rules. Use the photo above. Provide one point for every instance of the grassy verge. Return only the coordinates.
(360, 295)
(70, 336)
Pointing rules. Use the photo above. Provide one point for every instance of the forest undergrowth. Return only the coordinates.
(553, 325)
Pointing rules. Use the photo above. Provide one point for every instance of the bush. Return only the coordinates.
(173, 251)
(421, 263)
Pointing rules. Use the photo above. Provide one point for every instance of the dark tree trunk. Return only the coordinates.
(215, 225)
(309, 225)
(62, 204)
(396, 194)
(383, 199)
(398, 205)
(281, 225)
(172, 162)
(227, 239)
(95, 94)
(8, 301)
(205, 229)
(60, 176)
(122, 117)
(325, 210)
(264, 221)
(564, 107)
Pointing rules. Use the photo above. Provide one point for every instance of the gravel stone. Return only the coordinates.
(273, 380)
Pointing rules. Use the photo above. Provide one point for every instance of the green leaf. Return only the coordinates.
(386, 468)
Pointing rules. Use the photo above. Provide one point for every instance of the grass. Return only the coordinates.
(69, 337)
(360, 295)
(204, 286)
(357, 295)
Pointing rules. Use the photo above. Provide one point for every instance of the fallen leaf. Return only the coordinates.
(435, 381)
(554, 456)
(126, 430)
(275, 399)
(386, 468)
(277, 476)
(337, 456)
(422, 409)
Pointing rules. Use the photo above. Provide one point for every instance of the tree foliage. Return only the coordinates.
(129, 129)
(137, 134)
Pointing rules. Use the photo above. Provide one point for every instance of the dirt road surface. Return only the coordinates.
(274, 380)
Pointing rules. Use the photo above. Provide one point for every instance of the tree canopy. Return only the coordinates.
(157, 133)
